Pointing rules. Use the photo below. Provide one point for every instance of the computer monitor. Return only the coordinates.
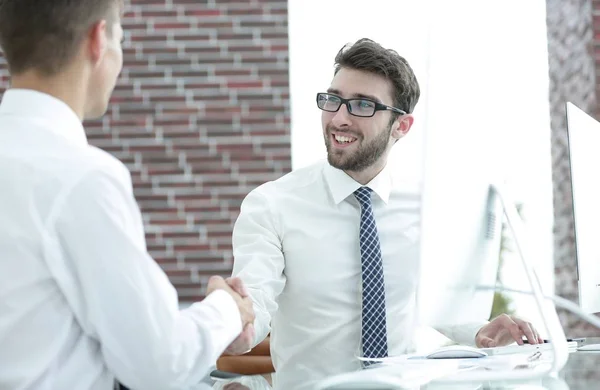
(466, 258)
(461, 221)
(584, 155)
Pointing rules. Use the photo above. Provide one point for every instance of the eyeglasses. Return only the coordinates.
(357, 107)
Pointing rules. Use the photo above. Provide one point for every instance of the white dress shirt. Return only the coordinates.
(296, 246)
(81, 301)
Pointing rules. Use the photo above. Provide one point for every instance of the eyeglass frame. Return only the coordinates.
(346, 102)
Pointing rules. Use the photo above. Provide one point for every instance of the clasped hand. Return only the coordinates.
(235, 287)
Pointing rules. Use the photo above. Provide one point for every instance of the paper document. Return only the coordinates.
(397, 372)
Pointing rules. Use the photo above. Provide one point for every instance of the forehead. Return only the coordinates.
(354, 83)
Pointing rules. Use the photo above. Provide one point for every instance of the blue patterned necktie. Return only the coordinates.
(374, 328)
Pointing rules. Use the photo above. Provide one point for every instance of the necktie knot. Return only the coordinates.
(363, 195)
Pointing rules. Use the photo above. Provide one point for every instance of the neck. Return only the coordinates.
(366, 175)
(63, 87)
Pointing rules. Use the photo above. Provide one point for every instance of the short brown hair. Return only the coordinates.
(44, 34)
(370, 56)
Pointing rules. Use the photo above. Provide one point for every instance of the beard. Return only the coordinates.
(365, 155)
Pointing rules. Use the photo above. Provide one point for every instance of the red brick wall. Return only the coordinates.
(200, 116)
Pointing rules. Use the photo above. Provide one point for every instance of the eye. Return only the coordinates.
(366, 104)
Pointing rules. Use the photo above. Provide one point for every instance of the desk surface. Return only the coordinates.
(582, 371)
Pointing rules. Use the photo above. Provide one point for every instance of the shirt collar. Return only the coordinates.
(48, 110)
(341, 185)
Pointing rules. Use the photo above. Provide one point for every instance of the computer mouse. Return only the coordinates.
(456, 352)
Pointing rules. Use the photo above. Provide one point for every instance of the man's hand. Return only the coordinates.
(504, 330)
(244, 303)
(243, 342)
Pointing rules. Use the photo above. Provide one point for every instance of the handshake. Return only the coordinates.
(235, 287)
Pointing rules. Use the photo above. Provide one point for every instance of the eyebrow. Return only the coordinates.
(356, 95)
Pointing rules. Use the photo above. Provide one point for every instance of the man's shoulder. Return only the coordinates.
(94, 159)
(291, 183)
(92, 166)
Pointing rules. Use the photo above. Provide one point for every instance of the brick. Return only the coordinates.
(202, 12)
(190, 73)
(279, 11)
(191, 248)
(173, 26)
(145, 37)
(193, 235)
(215, 24)
(244, 11)
(146, 2)
(257, 24)
(194, 36)
(146, 13)
(251, 47)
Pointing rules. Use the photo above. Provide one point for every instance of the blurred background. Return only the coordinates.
(217, 97)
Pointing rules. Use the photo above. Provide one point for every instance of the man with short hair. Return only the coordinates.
(329, 252)
(81, 301)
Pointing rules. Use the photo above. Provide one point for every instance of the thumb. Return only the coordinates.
(487, 342)
(215, 279)
(214, 283)
(238, 286)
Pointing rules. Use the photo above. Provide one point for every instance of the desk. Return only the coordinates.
(582, 371)
(583, 368)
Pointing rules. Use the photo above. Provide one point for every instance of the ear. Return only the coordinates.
(402, 125)
(97, 41)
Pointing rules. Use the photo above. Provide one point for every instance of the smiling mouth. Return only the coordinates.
(343, 139)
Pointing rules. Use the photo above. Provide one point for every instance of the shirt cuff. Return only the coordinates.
(466, 333)
(224, 303)
(218, 313)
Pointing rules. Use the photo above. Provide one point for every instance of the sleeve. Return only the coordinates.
(462, 334)
(129, 305)
(259, 259)
(246, 382)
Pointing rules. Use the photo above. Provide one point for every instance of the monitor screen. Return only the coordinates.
(584, 155)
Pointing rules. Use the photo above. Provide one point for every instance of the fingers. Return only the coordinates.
(504, 328)
(215, 279)
(539, 336)
(214, 283)
(512, 327)
(530, 332)
(238, 286)
(486, 342)
(516, 333)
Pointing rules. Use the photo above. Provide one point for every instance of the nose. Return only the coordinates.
(342, 117)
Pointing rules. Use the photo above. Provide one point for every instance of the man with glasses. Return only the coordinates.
(329, 252)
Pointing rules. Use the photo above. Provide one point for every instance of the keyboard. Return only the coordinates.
(525, 348)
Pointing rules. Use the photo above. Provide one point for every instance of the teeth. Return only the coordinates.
(342, 139)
